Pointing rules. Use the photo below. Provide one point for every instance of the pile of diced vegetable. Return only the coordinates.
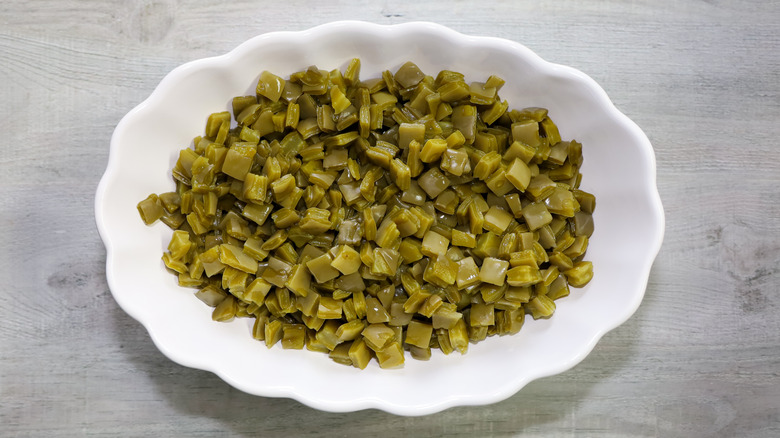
(363, 218)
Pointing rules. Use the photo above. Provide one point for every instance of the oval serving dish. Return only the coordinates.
(619, 168)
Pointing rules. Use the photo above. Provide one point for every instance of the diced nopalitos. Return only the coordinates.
(365, 217)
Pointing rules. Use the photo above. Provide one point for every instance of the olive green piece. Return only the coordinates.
(536, 215)
(270, 86)
(293, 336)
(359, 353)
(493, 271)
(541, 307)
(225, 310)
(419, 334)
(580, 274)
(351, 330)
(150, 209)
(365, 217)
(392, 356)
(523, 275)
(211, 295)
(481, 315)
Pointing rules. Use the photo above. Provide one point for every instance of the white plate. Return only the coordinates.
(619, 168)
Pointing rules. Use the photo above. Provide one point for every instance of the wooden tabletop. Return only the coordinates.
(700, 358)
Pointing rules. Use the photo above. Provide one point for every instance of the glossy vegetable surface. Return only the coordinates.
(367, 218)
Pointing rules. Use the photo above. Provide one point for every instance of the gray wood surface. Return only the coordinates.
(700, 358)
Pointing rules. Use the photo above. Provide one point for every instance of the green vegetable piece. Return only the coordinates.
(523, 275)
(550, 131)
(388, 235)
(239, 159)
(518, 294)
(329, 308)
(233, 256)
(257, 290)
(520, 150)
(392, 356)
(541, 307)
(338, 100)
(293, 336)
(433, 150)
(378, 336)
(493, 271)
(215, 122)
(264, 124)
(577, 248)
(359, 353)
(525, 257)
(527, 131)
(580, 274)
(455, 162)
(562, 202)
(376, 312)
(453, 91)
(583, 224)
(463, 239)
(481, 315)
(346, 260)
(321, 268)
(464, 119)
(519, 174)
(493, 112)
(225, 310)
(481, 94)
(258, 329)
(299, 281)
(420, 353)
(433, 182)
(255, 187)
(540, 187)
(434, 244)
(459, 337)
(410, 250)
(586, 200)
(507, 246)
(446, 316)
(497, 220)
(352, 72)
(274, 332)
(487, 165)
(349, 331)
(171, 201)
(561, 261)
(239, 103)
(499, 184)
(150, 209)
(315, 220)
(430, 306)
(211, 295)
(408, 75)
(536, 215)
(487, 245)
(418, 334)
(398, 317)
(558, 152)
(270, 86)
(285, 217)
(441, 271)
(559, 288)
(413, 160)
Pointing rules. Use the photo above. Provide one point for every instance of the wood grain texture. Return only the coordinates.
(700, 358)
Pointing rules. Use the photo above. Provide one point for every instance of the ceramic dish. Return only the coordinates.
(619, 168)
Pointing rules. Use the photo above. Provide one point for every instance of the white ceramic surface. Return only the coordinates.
(619, 168)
